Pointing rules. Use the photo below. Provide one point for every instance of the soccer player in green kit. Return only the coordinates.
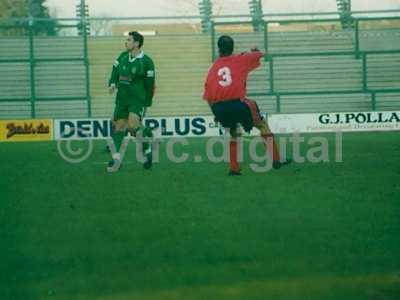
(133, 76)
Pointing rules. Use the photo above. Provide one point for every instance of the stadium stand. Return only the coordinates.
(322, 68)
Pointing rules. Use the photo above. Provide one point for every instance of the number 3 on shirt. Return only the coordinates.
(226, 75)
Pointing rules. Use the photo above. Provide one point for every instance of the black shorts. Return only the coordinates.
(233, 112)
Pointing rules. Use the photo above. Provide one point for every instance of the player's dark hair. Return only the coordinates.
(137, 37)
(225, 45)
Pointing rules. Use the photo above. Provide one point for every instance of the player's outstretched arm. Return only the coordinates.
(256, 49)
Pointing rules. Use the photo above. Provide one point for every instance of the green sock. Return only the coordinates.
(147, 134)
(118, 137)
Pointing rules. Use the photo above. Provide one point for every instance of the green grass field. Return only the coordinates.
(188, 231)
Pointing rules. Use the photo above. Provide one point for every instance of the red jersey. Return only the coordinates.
(226, 79)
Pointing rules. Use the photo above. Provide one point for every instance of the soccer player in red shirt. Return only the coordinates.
(225, 92)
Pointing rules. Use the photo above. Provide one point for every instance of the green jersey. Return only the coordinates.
(134, 78)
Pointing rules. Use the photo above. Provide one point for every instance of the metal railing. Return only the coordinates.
(357, 53)
(55, 80)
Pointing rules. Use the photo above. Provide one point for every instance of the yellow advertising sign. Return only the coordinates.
(26, 130)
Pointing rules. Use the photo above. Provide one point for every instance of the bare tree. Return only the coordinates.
(190, 7)
(100, 27)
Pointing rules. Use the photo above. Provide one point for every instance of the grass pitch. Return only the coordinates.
(188, 231)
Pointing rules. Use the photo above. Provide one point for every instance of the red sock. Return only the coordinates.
(233, 156)
(275, 151)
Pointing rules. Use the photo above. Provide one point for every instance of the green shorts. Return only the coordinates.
(124, 107)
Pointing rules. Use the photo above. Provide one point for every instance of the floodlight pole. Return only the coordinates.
(32, 62)
(84, 12)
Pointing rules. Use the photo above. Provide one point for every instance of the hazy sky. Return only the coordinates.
(134, 8)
